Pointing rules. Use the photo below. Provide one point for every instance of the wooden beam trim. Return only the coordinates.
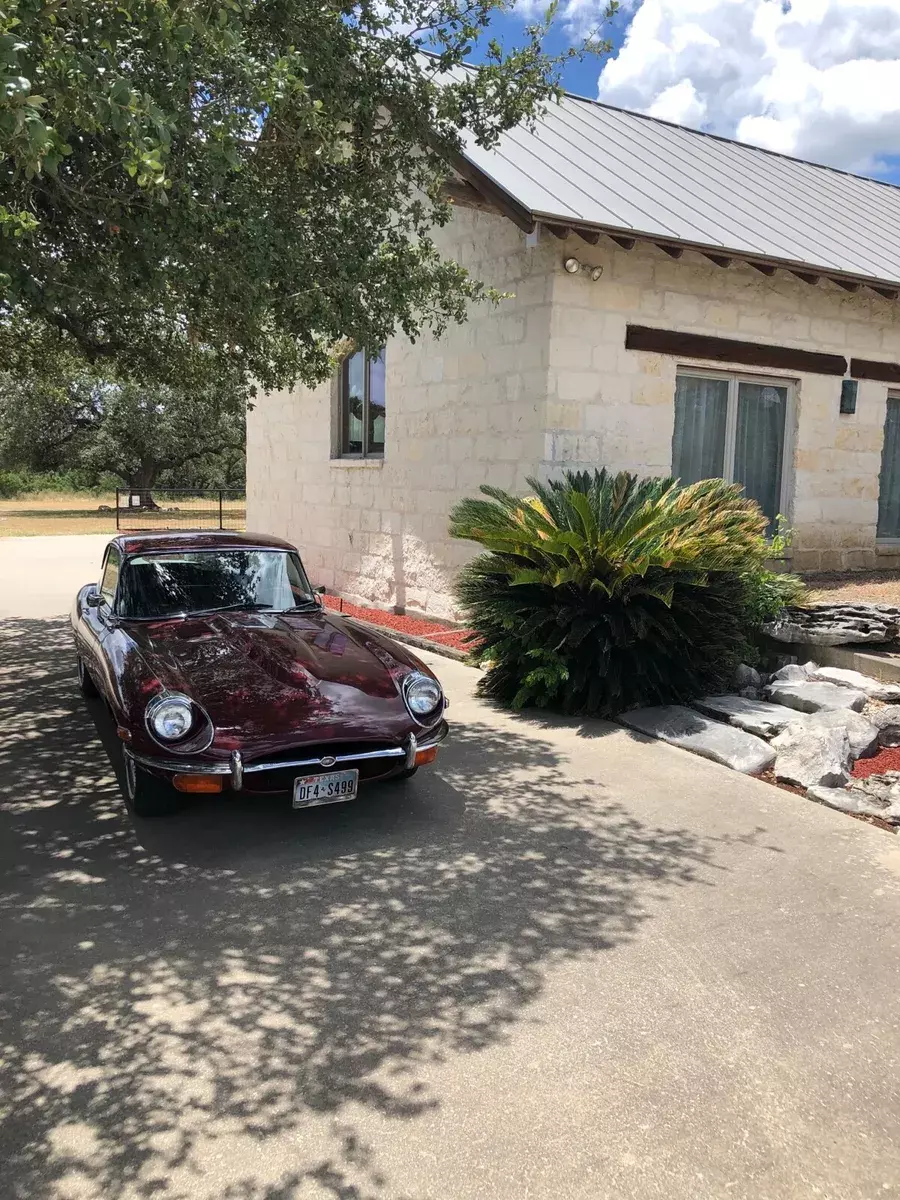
(763, 268)
(888, 293)
(715, 349)
(558, 231)
(807, 277)
(626, 243)
(672, 251)
(461, 193)
(721, 260)
(847, 285)
(884, 372)
(587, 236)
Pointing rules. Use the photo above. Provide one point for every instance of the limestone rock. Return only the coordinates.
(812, 755)
(746, 677)
(855, 679)
(688, 729)
(861, 733)
(836, 624)
(877, 796)
(810, 697)
(792, 673)
(887, 721)
(755, 716)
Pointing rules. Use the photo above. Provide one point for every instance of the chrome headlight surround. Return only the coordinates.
(197, 732)
(423, 696)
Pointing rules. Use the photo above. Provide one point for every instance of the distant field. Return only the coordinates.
(47, 513)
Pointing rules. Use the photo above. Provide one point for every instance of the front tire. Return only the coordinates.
(147, 796)
(86, 685)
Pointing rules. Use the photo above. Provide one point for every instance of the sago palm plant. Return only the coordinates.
(600, 592)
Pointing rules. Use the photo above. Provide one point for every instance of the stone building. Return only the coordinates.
(680, 303)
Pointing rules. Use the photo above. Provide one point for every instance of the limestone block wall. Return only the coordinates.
(611, 406)
(465, 410)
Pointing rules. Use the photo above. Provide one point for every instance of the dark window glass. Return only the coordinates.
(889, 491)
(362, 404)
(110, 580)
(169, 584)
(375, 424)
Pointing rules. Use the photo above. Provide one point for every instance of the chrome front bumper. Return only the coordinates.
(237, 770)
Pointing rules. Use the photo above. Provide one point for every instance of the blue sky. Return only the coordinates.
(817, 79)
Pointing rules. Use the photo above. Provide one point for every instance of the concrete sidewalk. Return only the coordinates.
(564, 963)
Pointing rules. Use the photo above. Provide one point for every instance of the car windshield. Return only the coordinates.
(200, 581)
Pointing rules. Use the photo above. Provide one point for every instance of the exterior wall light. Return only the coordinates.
(574, 267)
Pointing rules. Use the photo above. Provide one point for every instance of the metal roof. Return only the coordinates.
(587, 165)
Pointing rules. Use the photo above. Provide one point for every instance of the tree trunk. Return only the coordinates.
(140, 484)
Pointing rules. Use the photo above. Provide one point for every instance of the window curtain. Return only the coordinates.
(889, 490)
(701, 413)
(759, 444)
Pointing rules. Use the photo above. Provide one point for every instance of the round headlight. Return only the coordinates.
(423, 694)
(170, 717)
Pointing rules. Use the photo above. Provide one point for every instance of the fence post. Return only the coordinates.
(118, 526)
(221, 525)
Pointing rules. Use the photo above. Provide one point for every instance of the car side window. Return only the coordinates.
(110, 579)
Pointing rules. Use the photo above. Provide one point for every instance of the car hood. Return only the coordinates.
(272, 678)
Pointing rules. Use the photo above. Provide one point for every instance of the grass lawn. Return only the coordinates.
(49, 513)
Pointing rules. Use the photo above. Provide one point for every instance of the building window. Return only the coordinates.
(362, 405)
(889, 480)
(735, 428)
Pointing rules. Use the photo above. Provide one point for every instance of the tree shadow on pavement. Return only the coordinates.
(184, 998)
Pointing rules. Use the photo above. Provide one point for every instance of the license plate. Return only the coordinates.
(334, 788)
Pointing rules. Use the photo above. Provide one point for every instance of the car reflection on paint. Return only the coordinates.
(222, 670)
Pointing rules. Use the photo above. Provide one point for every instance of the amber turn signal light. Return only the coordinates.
(428, 755)
(198, 783)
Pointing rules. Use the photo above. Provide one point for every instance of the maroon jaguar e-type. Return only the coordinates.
(221, 668)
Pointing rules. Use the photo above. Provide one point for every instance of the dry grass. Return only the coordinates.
(50, 513)
(874, 587)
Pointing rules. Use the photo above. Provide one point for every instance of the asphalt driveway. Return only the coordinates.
(564, 963)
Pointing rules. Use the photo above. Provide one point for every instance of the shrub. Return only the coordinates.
(602, 592)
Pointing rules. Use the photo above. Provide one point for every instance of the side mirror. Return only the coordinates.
(320, 591)
(92, 600)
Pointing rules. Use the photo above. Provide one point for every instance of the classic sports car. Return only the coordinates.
(222, 669)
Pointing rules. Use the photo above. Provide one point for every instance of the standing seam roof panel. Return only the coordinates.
(593, 164)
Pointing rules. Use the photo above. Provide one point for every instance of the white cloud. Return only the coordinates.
(819, 79)
(578, 18)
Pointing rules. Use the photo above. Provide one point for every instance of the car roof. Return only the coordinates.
(197, 539)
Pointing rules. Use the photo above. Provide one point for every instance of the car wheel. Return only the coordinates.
(147, 796)
(86, 685)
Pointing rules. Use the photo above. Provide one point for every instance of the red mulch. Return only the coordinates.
(887, 759)
(457, 639)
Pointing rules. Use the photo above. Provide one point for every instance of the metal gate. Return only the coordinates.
(161, 508)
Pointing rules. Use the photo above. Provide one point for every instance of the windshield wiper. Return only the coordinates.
(247, 606)
(307, 606)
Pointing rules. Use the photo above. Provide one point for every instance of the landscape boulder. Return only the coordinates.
(861, 733)
(812, 755)
(691, 731)
(836, 624)
(792, 673)
(754, 716)
(807, 696)
(873, 688)
(746, 678)
(877, 796)
(887, 721)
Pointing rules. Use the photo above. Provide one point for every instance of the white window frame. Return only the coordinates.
(734, 379)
